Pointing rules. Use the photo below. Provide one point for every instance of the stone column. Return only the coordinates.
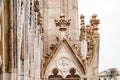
(6, 46)
(20, 37)
(26, 40)
(0, 40)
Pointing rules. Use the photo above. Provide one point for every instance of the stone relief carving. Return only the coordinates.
(63, 64)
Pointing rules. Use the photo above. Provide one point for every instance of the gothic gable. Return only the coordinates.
(64, 58)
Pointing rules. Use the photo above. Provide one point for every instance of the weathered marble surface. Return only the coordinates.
(29, 51)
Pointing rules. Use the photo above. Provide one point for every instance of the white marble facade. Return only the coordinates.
(32, 46)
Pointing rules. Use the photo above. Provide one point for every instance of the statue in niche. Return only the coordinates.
(73, 75)
(55, 75)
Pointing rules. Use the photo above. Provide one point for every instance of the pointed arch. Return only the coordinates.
(64, 54)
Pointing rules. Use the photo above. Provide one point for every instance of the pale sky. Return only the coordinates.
(109, 14)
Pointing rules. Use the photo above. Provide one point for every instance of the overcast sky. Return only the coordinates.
(108, 12)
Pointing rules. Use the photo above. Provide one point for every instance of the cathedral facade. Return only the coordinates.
(42, 40)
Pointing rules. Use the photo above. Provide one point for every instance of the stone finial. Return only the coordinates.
(62, 23)
(94, 22)
(82, 20)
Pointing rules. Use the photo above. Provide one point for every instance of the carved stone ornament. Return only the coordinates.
(40, 19)
(36, 6)
(62, 23)
(63, 58)
(82, 34)
(90, 34)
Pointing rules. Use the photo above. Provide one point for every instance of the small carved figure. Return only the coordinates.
(55, 75)
(72, 75)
